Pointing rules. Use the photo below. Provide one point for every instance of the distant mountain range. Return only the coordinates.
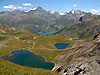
(40, 20)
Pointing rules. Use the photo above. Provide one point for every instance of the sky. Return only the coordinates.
(54, 5)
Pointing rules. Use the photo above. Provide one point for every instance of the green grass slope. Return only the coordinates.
(15, 39)
(85, 28)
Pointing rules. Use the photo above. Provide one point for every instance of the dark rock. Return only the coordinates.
(78, 72)
(65, 70)
(80, 19)
(59, 69)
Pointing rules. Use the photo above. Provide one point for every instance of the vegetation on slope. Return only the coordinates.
(15, 39)
(88, 25)
(8, 68)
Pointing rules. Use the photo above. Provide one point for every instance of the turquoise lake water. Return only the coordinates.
(62, 45)
(46, 34)
(26, 58)
(50, 33)
(75, 39)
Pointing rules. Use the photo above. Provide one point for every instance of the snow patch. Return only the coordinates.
(62, 13)
(30, 9)
(52, 12)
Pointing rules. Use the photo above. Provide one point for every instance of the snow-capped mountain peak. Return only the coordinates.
(33, 9)
(62, 13)
(52, 12)
(73, 11)
(30, 9)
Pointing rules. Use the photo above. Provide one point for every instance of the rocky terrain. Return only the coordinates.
(82, 60)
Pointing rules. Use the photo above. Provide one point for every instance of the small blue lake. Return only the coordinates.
(46, 34)
(62, 45)
(50, 33)
(75, 39)
(26, 58)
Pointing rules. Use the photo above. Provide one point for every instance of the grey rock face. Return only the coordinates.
(80, 68)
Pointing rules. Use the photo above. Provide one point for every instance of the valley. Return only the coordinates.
(42, 42)
(20, 39)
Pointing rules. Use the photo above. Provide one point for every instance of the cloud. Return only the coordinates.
(27, 4)
(94, 10)
(12, 7)
(75, 5)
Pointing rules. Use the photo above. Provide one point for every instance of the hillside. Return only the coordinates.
(88, 25)
(82, 60)
(15, 39)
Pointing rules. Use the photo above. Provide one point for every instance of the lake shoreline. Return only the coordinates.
(6, 57)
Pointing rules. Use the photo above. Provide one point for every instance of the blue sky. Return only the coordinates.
(55, 5)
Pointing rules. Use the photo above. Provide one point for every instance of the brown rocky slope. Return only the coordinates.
(82, 60)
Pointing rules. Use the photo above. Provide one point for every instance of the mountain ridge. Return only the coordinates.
(88, 26)
(38, 19)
